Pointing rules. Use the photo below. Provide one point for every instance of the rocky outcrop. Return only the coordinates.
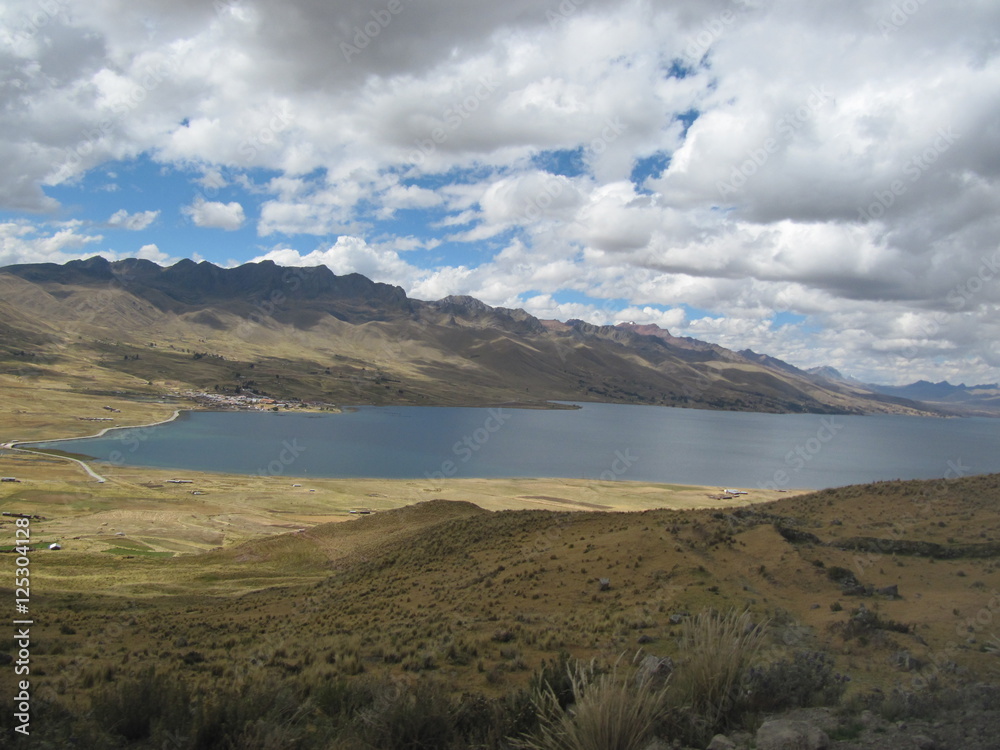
(786, 734)
(918, 548)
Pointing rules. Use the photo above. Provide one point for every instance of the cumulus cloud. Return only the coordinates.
(153, 253)
(134, 222)
(745, 159)
(216, 215)
(350, 255)
(21, 242)
(59, 242)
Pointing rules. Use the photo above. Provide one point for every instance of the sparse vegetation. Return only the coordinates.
(807, 678)
(269, 639)
(710, 682)
(613, 710)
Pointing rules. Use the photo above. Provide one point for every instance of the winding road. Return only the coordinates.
(86, 468)
(13, 446)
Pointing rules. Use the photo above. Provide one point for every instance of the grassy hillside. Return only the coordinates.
(476, 601)
(150, 331)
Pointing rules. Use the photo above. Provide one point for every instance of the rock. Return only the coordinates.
(923, 743)
(721, 742)
(858, 590)
(905, 661)
(796, 536)
(782, 734)
(891, 591)
(655, 669)
(657, 744)
(676, 619)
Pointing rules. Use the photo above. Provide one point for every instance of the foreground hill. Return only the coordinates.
(891, 584)
(307, 334)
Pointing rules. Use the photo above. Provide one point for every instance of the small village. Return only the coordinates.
(251, 402)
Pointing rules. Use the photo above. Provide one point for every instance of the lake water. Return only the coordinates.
(597, 441)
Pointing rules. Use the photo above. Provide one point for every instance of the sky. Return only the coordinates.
(817, 181)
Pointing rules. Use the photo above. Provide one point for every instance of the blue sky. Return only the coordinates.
(815, 183)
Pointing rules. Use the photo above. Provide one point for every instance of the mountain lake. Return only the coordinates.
(595, 441)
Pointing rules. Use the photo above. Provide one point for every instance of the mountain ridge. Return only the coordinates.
(320, 336)
(972, 400)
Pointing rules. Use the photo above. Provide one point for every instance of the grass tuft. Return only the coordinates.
(611, 711)
(709, 682)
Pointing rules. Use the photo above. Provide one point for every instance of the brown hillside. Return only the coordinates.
(307, 334)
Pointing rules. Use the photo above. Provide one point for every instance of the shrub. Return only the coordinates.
(807, 679)
(488, 722)
(134, 708)
(708, 682)
(840, 575)
(339, 698)
(610, 711)
(401, 717)
(264, 734)
(556, 676)
(864, 622)
(257, 714)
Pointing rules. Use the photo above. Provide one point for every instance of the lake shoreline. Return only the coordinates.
(102, 433)
(594, 441)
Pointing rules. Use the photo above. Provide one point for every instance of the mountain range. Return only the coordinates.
(308, 334)
(969, 400)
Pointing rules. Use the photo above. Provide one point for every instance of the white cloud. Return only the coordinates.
(350, 255)
(134, 222)
(21, 242)
(216, 215)
(153, 253)
(59, 242)
(860, 190)
(411, 196)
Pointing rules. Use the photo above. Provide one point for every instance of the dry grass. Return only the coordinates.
(474, 598)
(109, 339)
(615, 710)
(718, 650)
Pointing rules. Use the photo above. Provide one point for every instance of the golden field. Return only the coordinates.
(472, 584)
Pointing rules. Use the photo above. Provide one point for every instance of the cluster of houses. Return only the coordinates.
(729, 494)
(239, 401)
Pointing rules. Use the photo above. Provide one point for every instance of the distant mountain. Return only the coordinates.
(772, 362)
(928, 391)
(830, 373)
(679, 342)
(307, 333)
(974, 399)
(188, 286)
